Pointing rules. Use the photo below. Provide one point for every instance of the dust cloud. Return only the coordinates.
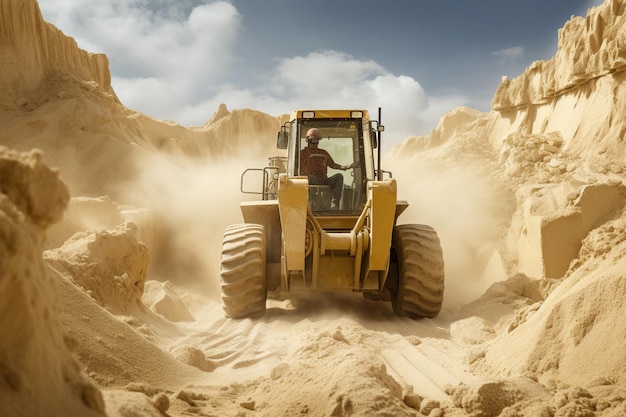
(190, 203)
(468, 209)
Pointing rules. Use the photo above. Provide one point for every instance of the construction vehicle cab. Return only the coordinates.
(326, 221)
(348, 138)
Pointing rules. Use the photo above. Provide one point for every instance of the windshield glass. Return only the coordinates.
(331, 156)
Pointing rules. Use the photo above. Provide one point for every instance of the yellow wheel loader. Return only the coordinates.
(326, 221)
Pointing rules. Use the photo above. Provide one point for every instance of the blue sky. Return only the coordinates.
(417, 59)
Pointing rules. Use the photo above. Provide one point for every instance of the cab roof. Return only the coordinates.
(329, 114)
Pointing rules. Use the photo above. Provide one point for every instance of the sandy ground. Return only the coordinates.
(110, 237)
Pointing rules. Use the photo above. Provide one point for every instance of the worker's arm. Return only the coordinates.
(331, 163)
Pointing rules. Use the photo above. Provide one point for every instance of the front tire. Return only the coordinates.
(243, 271)
(417, 282)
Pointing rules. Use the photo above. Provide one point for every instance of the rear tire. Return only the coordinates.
(243, 271)
(416, 280)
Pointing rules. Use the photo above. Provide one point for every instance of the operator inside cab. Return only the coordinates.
(314, 163)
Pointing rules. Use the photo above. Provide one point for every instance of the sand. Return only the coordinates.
(111, 225)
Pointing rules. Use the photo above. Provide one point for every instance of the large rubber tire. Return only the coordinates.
(416, 280)
(243, 271)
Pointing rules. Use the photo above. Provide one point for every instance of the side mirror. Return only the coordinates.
(374, 139)
(282, 140)
(375, 131)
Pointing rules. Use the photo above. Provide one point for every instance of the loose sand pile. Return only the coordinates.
(109, 300)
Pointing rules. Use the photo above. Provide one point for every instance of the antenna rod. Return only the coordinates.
(380, 170)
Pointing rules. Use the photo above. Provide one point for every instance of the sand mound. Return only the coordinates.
(572, 336)
(39, 374)
(111, 266)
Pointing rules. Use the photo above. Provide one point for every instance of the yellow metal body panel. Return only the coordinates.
(382, 195)
(337, 222)
(293, 207)
(328, 114)
(336, 273)
(335, 252)
(265, 213)
(360, 250)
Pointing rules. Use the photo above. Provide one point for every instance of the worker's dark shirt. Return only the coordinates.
(315, 162)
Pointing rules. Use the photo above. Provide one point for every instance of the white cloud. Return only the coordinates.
(508, 55)
(330, 79)
(170, 59)
(162, 56)
(324, 73)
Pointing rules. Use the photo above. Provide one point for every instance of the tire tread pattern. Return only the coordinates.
(243, 271)
(420, 283)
